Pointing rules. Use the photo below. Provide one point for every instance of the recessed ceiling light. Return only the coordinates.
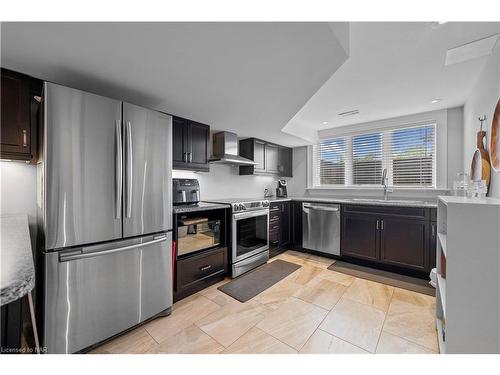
(325, 122)
(349, 113)
(437, 24)
(435, 101)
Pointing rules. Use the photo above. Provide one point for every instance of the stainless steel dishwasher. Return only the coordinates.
(321, 227)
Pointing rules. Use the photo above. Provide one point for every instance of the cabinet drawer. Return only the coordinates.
(193, 270)
(407, 212)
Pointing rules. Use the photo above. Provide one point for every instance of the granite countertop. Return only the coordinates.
(201, 206)
(372, 201)
(18, 272)
(275, 199)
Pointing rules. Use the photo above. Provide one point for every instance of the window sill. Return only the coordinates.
(374, 187)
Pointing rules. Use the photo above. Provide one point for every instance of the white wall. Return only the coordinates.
(18, 182)
(223, 181)
(482, 101)
(449, 124)
(18, 189)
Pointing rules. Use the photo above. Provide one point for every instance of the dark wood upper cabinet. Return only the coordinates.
(179, 141)
(271, 158)
(360, 236)
(190, 145)
(404, 243)
(20, 104)
(259, 155)
(199, 136)
(285, 161)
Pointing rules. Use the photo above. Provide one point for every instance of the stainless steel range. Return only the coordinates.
(249, 234)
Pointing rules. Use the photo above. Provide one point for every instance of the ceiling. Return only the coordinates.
(276, 81)
(250, 78)
(394, 69)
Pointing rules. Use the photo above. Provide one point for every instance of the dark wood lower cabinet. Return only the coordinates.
(395, 238)
(404, 243)
(199, 271)
(433, 244)
(279, 226)
(296, 225)
(360, 236)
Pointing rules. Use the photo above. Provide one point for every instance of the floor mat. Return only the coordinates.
(250, 284)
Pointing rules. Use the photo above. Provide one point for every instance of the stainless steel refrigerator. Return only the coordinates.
(105, 213)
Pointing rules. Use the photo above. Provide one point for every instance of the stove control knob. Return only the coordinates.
(235, 207)
(242, 207)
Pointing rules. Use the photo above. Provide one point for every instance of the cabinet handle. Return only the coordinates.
(25, 138)
(382, 224)
(433, 230)
(204, 268)
(190, 157)
(184, 157)
(378, 225)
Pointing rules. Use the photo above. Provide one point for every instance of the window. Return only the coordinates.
(412, 156)
(330, 169)
(407, 153)
(367, 159)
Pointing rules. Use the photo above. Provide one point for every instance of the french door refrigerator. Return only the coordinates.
(106, 215)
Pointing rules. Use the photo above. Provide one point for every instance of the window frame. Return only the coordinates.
(386, 145)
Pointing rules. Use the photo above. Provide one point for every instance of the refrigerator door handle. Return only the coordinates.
(72, 256)
(118, 170)
(129, 171)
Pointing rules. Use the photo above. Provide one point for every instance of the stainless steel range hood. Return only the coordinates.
(225, 150)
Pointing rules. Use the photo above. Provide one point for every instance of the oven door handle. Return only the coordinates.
(245, 215)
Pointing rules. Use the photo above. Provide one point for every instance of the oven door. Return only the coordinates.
(250, 234)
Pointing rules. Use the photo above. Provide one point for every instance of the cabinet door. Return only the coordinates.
(259, 156)
(433, 244)
(179, 142)
(15, 132)
(296, 222)
(198, 147)
(404, 243)
(285, 224)
(360, 236)
(285, 158)
(272, 158)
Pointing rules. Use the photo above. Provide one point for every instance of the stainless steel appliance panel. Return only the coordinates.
(250, 263)
(250, 233)
(147, 143)
(93, 293)
(82, 167)
(321, 227)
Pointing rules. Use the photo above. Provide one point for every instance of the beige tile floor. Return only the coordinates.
(313, 310)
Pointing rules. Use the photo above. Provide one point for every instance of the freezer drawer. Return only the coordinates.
(321, 227)
(93, 293)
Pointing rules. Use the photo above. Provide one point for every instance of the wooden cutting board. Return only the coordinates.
(480, 168)
(495, 139)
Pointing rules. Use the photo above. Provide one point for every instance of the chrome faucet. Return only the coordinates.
(384, 184)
